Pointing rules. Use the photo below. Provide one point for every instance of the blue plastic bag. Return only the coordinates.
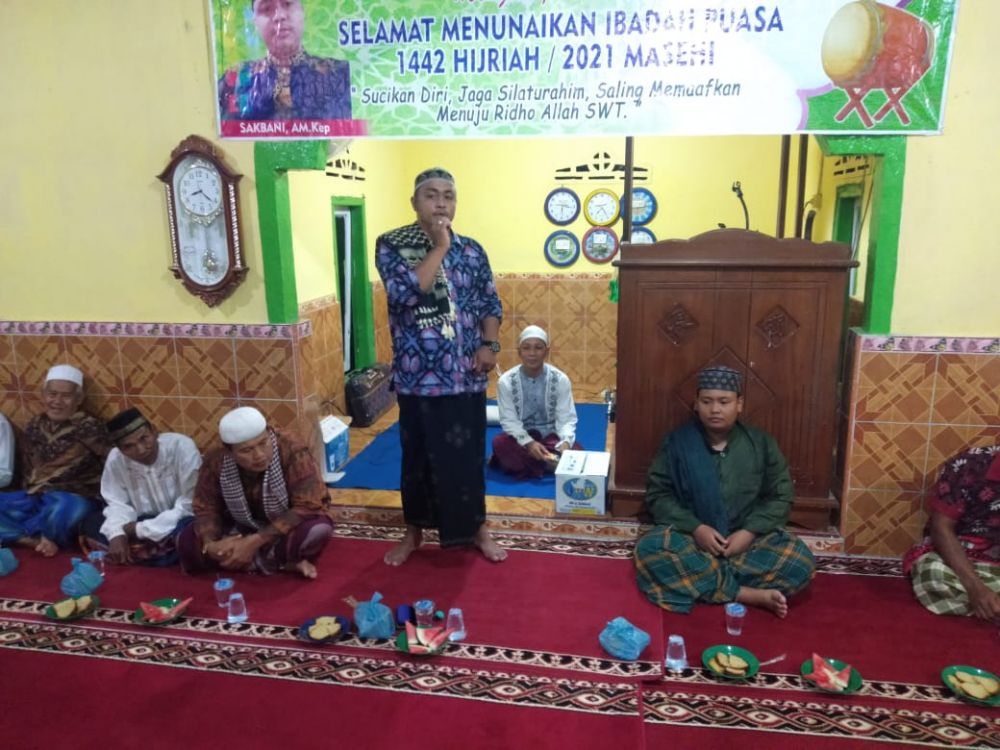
(8, 561)
(623, 640)
(374, 620)
(82, 581)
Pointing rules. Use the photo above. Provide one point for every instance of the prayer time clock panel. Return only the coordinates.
(203, 215)
(643, 206)
(600, 244)
(562, 248)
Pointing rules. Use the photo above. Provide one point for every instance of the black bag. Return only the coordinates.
(368, 393)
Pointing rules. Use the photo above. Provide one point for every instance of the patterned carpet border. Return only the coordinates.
(853, 721)
(494, 656)
(589, 546)
(607, 698)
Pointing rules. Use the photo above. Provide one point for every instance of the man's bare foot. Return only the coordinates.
(491, 551)
(46, 547)
(769, 599)
(411, 540)
(306, 568)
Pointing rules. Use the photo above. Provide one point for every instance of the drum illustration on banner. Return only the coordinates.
(868, 47)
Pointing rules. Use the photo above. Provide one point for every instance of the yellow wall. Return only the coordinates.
(948, 271)
(96, 95)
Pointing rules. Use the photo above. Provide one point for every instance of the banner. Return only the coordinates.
(495, 68)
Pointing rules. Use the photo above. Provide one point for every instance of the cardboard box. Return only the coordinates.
(582, 482)
(336, 445)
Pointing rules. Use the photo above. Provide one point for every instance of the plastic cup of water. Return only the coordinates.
(455, 623)
(424, 612)
(97, 558)
(223, 588)
(735, 614)
(676, 654)
(237, 608)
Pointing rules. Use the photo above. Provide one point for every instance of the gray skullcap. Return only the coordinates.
(533, 332)
(240, 425)
(65, 372)
(720, 378)
(434, 173)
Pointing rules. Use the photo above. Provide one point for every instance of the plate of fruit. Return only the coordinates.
(422, 641)
(73, 608)
(160, 611)
(973, 684)
(831, 675)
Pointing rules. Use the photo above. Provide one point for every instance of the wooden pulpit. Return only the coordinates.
(773, 309)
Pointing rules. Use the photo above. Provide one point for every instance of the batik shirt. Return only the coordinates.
(66, 456)
(968, 492)
(756, 487)
(307, 492)
(426, 360)
(311, 88)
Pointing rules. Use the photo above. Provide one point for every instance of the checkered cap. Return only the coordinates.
(720, 378)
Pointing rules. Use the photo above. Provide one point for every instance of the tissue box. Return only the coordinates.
(336, 447)
(582, 482)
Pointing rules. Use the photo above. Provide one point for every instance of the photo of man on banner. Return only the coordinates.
(289, 83)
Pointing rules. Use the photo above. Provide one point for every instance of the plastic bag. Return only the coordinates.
(374, 620)
(8, 561)
(623, 640)
(82, 581)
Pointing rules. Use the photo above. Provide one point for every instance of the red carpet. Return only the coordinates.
(531, 675)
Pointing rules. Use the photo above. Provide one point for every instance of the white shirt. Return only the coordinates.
(559, 405)
(163, 490)
(6, 451)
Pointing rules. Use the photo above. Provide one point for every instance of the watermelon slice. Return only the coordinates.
(411, 633)
(440, 639)
(180, 606)
(153, 613)
(416, 648)
(426, 636)
(828, 677)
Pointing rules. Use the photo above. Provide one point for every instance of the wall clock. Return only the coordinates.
(600, 244)
(642, 236)
(562, 248)
(643, 206)
(601, 207)
(562, 206)
(203, 215)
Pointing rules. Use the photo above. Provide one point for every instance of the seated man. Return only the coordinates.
(64, 450)
(956, 569)
(260, 502)
(6, 452)
(148, 483)
(720, 493)
(537, 412)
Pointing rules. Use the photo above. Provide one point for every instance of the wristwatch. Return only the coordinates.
(493, 345)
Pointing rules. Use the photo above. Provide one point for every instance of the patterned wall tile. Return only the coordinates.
(595, 294)
(6, 348)
(569, 297)
(567, 333)
(206, 368)
(10, 407)
(163, 411)
(601, 332)
(200, 417)
(282, 414)
(104, 405)
(265, 369)
(889, 456)
(505, 290)
(882, 523)
(149, 366)
(99, 359)
(33, 356)
(968, 389)
(895, 387)
(532, 297)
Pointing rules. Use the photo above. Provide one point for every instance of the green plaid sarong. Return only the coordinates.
(674, 573)
(938, 588)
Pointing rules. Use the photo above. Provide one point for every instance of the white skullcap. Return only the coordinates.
(65, 372)
(240, 425)
(533, 332)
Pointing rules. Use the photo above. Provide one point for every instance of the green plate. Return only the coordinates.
(947, 672)
(140, 619)
(403, 644)
(94, 604)
(853, 682)
(753, 665)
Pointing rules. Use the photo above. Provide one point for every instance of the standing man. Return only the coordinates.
(444, 314)
(537, 412)
(260, 502)
(64, 450)
(720, 494)
(148, 482)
